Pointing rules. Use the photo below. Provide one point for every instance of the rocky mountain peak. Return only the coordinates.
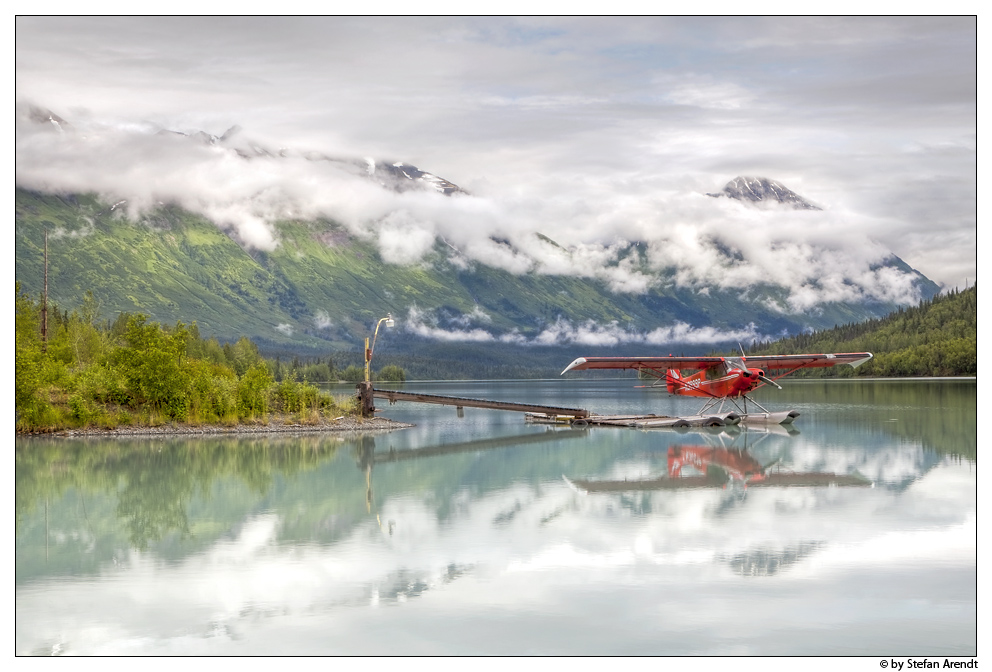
(763, 190)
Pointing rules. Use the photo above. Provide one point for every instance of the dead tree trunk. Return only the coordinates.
(366, 399)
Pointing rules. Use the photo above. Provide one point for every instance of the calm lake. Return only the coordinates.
(483, 534)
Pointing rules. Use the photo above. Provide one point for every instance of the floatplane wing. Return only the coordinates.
(657, 363)
(793, 362)
(788, 363)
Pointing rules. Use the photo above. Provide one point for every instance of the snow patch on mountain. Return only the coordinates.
(764, 191)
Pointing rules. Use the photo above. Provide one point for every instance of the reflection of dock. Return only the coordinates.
(481, 444)
(366, 457)
(785, 479)
(664, 483)
(714, 479)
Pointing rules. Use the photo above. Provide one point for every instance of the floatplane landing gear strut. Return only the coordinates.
(765, 416)
(710, 403)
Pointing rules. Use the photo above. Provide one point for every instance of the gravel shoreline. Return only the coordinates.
(275, 425)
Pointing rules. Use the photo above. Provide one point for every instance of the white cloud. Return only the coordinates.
(716, 95)
(322, 320)
(683, 333)
(565, 332)
(477, 315)
(425, 325)
(404, 240)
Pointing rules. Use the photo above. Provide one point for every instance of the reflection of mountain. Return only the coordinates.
(404, 584)
(764, 562)
(152, 484)
(366, 457)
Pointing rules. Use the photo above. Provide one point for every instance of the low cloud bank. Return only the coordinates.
(426, 324)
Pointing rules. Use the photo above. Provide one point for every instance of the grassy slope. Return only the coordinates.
(172, 266)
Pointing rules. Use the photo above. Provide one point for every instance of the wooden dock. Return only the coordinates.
(650, 421)
(464, 402)
(552, 415)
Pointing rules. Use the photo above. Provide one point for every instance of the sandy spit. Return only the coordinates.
(275, 424)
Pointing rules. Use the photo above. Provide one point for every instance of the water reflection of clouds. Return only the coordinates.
(528, 550)
(898, 464)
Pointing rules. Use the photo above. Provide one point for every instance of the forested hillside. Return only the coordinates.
(938, 337)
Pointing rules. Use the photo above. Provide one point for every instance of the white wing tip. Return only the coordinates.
(577, 362)
(858, 363)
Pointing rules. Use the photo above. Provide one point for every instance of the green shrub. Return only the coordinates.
(79, 409)
(41, 416)
(102, 384)
(391, 373)
(298, 397)
(27, 378)
(253, 392)
(353, 374)
(53, 372)
(212, 392)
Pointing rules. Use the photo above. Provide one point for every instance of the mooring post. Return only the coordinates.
(366, 399)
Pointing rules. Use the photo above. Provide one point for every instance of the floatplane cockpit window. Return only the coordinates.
(734, 364)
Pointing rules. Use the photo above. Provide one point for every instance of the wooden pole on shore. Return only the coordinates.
(44, 301)
(366, 399)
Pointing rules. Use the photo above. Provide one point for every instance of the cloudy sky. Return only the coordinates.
(586, 129)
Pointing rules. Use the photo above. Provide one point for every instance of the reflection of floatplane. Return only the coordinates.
(722, 379)
(719, 467)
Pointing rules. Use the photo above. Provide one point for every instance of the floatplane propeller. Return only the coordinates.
(761, 374)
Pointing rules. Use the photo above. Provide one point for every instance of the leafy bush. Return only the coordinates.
(253, 392)
(81, 411)
(353, 374)
(151, 361)
(212, 392)
(391, 373)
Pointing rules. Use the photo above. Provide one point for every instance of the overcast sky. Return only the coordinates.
(587, 129)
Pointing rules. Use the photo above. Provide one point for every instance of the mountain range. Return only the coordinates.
(324, 285)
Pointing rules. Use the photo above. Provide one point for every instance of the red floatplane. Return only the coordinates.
(721, 379)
